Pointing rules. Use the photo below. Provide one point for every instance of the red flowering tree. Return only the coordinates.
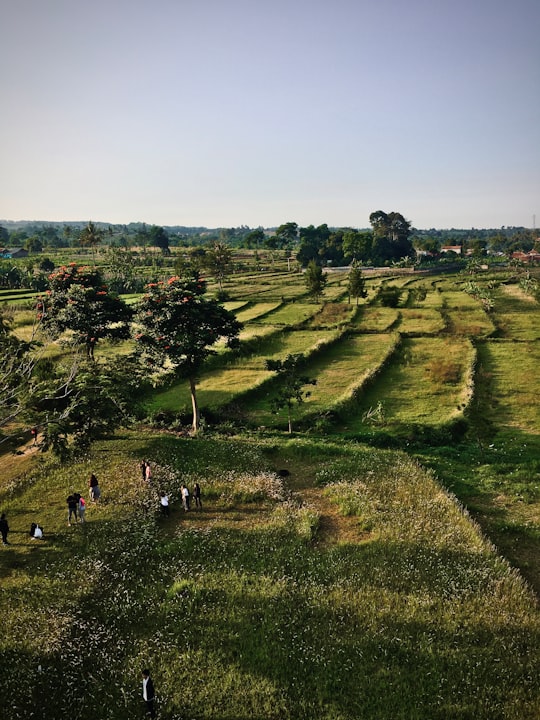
(178, 325)
(79, 301)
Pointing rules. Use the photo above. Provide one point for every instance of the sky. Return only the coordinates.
(222, 113)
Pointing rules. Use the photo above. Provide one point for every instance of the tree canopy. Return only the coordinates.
(315, 280)
(179, 326)
(391, 234)
(80, 301)
(291, 384)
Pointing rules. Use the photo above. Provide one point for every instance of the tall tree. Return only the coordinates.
(219, 261)
(315, 280)
(16, 367)
(286, 234)
(79, 301)
(357, 245)
(356, 285)
(157, 237)
(91, 236)
(254, 238)
(291, 384)
(391, 233)
(179, 326)
(79, 403)
(313, 244)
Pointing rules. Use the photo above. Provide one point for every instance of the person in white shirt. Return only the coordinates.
(185, 498)
(164, 502)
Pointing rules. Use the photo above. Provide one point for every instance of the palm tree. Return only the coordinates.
(91, 236)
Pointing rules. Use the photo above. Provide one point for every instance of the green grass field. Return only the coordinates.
(355, 588)
(426, 384)
(338, 372)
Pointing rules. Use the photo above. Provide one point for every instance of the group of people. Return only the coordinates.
(164, 499)
(76, 504)
(36, 531)
(186, 499)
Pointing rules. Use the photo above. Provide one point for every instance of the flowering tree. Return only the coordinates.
(79, 301)
(178, 325)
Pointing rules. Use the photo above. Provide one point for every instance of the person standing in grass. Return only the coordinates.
(95, 492)
(197, 495)
(185, 498)
(142, 467)
(148, 693)
(4, 528)
(164, 502)
(72, 508)
(148, 472)
(82, 508)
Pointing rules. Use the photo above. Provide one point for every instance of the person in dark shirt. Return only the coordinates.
(4, 528)
(148, 693)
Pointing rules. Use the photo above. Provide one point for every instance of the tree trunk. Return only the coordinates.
(194, 405)
(289, 417)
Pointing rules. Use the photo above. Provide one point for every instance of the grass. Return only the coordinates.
(292, 313)
(355, 588)
(516, 315)
(339, 370)
(415, 321)
(376, 319)
(221, 386)
(513, 403)
(255, 311)
(465, 315)
(379, 599)
(426, 384)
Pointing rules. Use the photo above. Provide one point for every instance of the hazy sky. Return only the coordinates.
(259, 112)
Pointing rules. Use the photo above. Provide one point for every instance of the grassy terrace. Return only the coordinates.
(355, 586)
(354, 589)
(426, 383)
(339, 370)
(222, 385)
(465, 315)
(417, 321)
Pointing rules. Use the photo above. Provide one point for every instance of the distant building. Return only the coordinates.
(531, 257)
(451, 248)
(9, 253)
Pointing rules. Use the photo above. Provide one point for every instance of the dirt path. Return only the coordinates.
(334, 528)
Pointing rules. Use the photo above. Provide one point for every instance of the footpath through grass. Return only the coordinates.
(352, 588)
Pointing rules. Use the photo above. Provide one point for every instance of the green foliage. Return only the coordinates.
(391, 234)
(481, 293)
(16, 366)
(91, 236)
(291, 383)
(75, 405)
(80, 301)
(218, 261)
(315, 280)
(179, 326)
(356, 286)
(390, 295)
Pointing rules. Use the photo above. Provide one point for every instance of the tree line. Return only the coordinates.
(330, 245)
